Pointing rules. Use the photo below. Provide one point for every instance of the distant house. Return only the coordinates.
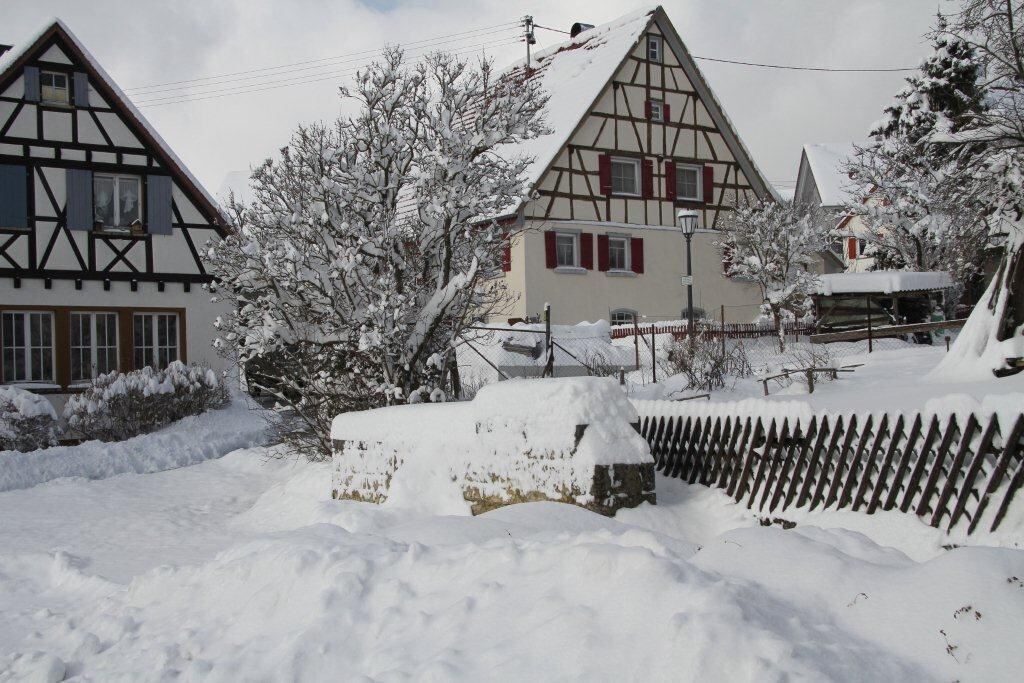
(638, 134)
(822, 181)
(101, 227)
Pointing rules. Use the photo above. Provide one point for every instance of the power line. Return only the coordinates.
(179, 99)
(548, 28)
(504, 26)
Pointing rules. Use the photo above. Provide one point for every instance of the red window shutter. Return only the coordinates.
(666, 112)
(670, 180)
(851, 247)
(587, 250)
(604, 167)
(636, 252)
(709, 185)
(647, 168)
(647, 109)
(506, 254)
(602, 253)
(551, 260)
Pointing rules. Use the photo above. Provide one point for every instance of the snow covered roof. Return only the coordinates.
(884, 281)
(12, 59)
(825, 161)
(575, 73)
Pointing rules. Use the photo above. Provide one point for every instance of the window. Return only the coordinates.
(93, 345)
(623, 316)
(618, 253)
(625, 176)
(116, 200)
(27, 341)
(566, 250)
(862, 245)
(688, 184)
(657, 110)
(156, 339)
(53, 87)
(654, 48)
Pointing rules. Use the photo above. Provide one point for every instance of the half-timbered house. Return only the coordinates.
(101, 227)
(637, 135)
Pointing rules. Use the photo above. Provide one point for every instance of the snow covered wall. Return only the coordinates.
(568, 440)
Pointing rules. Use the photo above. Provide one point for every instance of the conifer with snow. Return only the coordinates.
(368, 246)
(775, 244)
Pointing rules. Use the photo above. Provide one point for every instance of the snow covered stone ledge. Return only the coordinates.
(568, 440)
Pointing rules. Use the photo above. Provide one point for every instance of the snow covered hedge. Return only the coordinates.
(569, 440)
(27, 421)
(118, 406)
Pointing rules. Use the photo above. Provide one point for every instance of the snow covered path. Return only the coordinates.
(243, 569)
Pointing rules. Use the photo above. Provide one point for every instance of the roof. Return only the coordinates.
(13, 59)
(826, 162)
(576, 72)
(882, 282)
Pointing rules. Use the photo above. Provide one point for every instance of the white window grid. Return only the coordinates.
(654, 48)
(93, 345)
(618, 252)
(686, 190)
(625, 176)
(31, 358)
(53, 87)
(567, 250)
(115, 199)
(156, 339)
(657, 110)
(622, 316)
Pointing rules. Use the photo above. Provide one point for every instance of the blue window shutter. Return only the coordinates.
(32, 83)
(79, 207)
(13, 196)
(158, 204)
(81, 89)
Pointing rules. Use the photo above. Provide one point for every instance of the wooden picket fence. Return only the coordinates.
(731, 330)
(943, 472)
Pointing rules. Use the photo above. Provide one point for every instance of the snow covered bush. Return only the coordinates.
(775, 245)
(27, 421)
(118, 406)
(704, 362)
(368, 246)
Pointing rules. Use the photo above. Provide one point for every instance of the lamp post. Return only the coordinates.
(687, 220)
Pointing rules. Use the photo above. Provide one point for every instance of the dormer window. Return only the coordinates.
(654, 48)
(657, 111)
(53, 88)
(117, 201)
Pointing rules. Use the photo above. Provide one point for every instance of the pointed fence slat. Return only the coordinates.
(934, 470)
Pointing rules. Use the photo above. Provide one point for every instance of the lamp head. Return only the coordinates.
(687, 220)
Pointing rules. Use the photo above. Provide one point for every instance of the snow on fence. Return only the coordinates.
(947, 470)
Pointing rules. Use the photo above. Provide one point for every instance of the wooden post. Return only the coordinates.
(654, 355)
(765, 382)
(636, 341)
(622, 377)
(947, 343)
(549, 365)
(870, 335)
(722, 331)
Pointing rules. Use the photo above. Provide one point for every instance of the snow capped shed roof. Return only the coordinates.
(575, 73)
(826, 161)
(12, 59)
(882, 281)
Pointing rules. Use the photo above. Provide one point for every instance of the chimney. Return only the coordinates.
(578, 28)
(4, 48)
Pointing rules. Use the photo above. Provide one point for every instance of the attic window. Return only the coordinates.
(654, 48)
(657, 110)
(53, 87)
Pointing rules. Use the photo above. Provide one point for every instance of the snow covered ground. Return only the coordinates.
(243, 568)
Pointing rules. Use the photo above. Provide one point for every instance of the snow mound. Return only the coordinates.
(27, 403)
(186, 442)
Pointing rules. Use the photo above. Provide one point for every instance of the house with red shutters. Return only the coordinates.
(637, 134)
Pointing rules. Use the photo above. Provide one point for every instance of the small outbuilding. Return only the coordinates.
(885, 297)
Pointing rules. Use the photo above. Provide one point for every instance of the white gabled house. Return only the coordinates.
(101, 227)
(637, 135)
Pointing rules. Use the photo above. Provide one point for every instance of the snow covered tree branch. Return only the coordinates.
(370, 243)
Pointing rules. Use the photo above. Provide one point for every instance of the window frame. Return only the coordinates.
(633, 315)
(699, 183)
(637, 180)
(28, 347)
(627, 255)
(66, 102)
(657, 110)
(94, 346)
(575, 237)
(154, 347)
(115, 198)
(655, 52)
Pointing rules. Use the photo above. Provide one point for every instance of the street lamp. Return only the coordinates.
(687, 220)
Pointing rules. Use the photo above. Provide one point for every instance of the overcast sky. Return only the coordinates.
(153, 42)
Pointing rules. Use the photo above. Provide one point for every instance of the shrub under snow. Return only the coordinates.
(27, 420)
(118, 406)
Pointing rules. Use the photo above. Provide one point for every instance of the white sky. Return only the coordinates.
(146, 42)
